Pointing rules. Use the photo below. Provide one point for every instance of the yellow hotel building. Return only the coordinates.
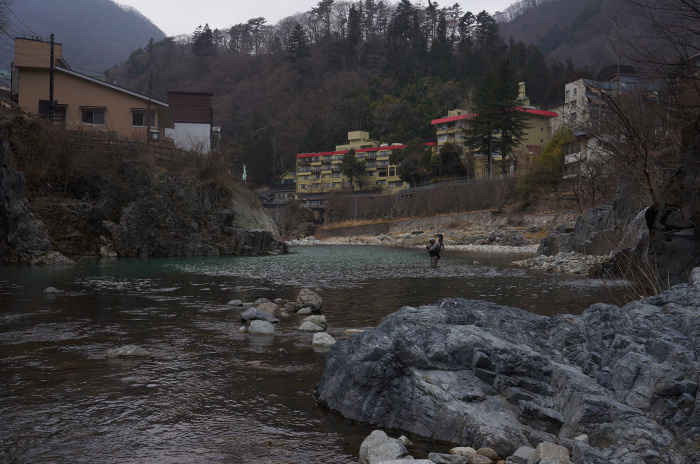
(320, 172)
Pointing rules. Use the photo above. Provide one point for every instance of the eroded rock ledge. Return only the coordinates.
(479, 374)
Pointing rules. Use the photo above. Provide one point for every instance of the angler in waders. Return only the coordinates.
(434, 248)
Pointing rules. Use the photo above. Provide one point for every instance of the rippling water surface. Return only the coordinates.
(210, 394)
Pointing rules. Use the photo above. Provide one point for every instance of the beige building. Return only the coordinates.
(321, 172)
(451, 129)
(82, 101)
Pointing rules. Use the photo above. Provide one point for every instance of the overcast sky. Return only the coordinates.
(175, 17)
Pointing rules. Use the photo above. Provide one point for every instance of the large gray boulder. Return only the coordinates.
(479, 374)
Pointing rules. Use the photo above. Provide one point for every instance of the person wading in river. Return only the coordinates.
(434, 251)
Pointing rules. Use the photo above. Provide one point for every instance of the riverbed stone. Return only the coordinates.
(308, 297)
(128, 351)
(253, 313)
(323, 339)
(521, 455)
(379, 447)
(270, 308)
(261, 328)
(235, 303)
(489, 453)
(310, 327)
(548, 453)
(440, 458)
(462, 450)
(260, 301)
(304, 311)
(317, 319)
(51, 290)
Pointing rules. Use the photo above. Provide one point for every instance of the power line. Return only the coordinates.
(22, 22)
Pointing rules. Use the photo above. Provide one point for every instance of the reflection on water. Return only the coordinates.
(210, 394)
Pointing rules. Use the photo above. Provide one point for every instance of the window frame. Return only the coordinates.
(84, 110)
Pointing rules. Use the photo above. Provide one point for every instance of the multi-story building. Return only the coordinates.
(321, 172)
(584, 111)
(451, 129)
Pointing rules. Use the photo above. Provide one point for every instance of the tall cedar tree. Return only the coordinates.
(498, 123)
(352, 168)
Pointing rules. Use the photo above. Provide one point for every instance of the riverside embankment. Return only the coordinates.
(484, 231)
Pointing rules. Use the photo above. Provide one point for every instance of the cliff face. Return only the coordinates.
(155, 213)
(24, 239)
(139, 211)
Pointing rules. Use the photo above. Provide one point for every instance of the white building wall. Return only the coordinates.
(190, 136)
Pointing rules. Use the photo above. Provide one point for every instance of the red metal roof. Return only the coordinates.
(549, 114)
(360, 150)
(191, 107)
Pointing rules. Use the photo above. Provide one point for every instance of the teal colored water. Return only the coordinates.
(210, 394)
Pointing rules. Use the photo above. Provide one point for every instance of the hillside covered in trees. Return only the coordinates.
(302, 84)
(96, 34)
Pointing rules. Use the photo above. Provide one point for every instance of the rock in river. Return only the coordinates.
(479, 374)
(128, 351)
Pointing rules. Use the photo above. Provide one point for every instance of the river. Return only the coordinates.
(210, 394)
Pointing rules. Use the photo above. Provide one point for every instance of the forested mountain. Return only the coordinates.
(302, 84)
(591, 32)
(96, 34)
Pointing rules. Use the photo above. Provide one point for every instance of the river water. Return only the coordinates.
(210, 394)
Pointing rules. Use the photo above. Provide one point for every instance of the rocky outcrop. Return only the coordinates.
(155, 213)
(24, 238)
(594, 233)
(478, 374)
(675, 225)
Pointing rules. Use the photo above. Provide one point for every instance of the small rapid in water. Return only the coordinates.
(209, 393)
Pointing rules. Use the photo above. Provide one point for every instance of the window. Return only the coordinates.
(370, 173)
(305, 177)
(93, 116)
(575, 91)
(442, 138)
(567, 95)
(384, 153)
(338, 158)
(140, 119)
(392, 171)
(381, 182)
(336, 175)
(360, 156)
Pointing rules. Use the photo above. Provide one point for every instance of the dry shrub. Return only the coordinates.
(53, 157)
(638, 269)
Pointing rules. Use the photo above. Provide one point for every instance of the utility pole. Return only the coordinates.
(51, 66)
(148, 112)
